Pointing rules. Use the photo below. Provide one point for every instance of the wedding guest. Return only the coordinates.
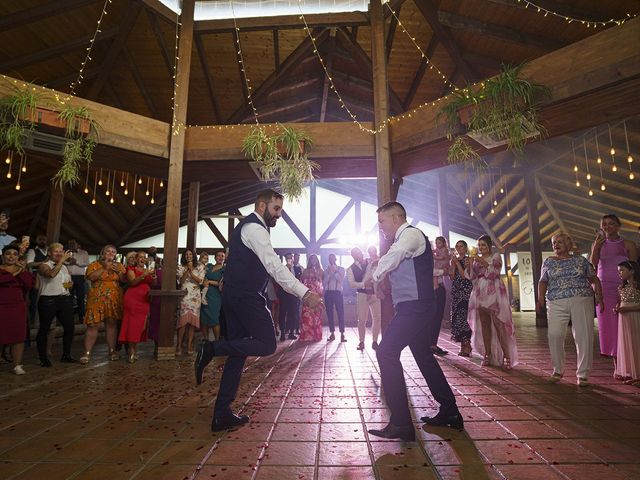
(77, 266)
(565, 284)
(332, 282)
(55, 301)
(104, 301)
(359, 276)
(460, 292)
(489, 310)
(15, 282)
(35, 257)
(136, 305)
(609, 249)
(212, 297)
(154, 312)
(273, 303)
(5, 238)
(311, 321)
(289, 306)
(441, 265)
(190, 275)
(628, 310)
(297, 271)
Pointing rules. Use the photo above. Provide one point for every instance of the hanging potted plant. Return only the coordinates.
(283, 157)
(502, 111)
(15, 111)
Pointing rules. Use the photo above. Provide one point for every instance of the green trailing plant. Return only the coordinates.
(16, 113)
(283, 157)
(78, 147)
(504, 110)
(461, 153)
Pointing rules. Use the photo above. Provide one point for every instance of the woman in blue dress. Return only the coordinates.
(212, 297)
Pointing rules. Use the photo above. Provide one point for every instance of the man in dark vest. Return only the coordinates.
(359, 278)
(250, 329)
(409, 264)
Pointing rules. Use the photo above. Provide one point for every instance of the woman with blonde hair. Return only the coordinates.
(104, 301)
(565, 284)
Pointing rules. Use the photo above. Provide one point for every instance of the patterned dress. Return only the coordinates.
(311, 321)
(460, 292)
(104, 299)
(490, 293)
(191, 302)
(628, 362)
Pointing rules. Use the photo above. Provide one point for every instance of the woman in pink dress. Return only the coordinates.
(136, 305)
(610, 249)
(311, 321)
(489, 309)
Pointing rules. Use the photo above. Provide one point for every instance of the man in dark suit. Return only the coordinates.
(249, 324)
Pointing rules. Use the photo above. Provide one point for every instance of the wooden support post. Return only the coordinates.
(166, 348)
(54, 221)
(535, 244)
(192, 215)
(443, 212)
(358, 212)
(313, 216)
(382, 142)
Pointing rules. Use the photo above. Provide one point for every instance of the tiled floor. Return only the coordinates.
(311, 405)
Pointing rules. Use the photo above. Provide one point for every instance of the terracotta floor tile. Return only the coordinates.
(469, 472)
(487, 431)
(531, 429)
(342, 473)
(610, 472)
(395, 453)
(8, 468)
(269, 472)
(506, 452)
(406, 473)
(179, 472)
(181, 452)
(58, 471)
(334, 432)
(295, 432)
(288, 453)
(530, 472)
(612, 450)
(234, 453)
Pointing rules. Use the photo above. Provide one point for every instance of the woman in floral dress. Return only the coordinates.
(460, 292)
(311, 321)
(190, 275)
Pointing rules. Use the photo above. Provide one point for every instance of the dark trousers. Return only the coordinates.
(289, 311)
(61, 307)
(436, 324)
(333, 298)
(409, 327)
(78, 290)
(249, 333)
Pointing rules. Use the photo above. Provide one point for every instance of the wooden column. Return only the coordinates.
(535, 244)
(313, 216)
(54, 220)
(192, 216)
(382, 143)
(166, 348)
(443, 213)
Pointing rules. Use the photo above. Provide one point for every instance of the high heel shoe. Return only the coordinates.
(485, 361)
(506, 363)
(465, 349)
(132, 358)
(84, 359)
(113, 355)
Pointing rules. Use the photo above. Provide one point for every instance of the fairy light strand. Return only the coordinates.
(175, 125)
(603, 187)
(632, 175)
(586, 163)
(87, 58)
(612, 152)
(575, 163)
(569, 19)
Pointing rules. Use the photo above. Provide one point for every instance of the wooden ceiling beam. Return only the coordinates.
(430, 13)
(393, 25)
(305, 82)
(422, 68)
(208, 77)
(559, 7)
(473, 25)
(114, 96)
(125, 27)
(325, 86)
(142, 218)
(218, 234)
(47, 9)
(66, 80)
(483, 60)
(137, 78)
(323, 20)
(169, 61)
(270, 110)
(276, 49)
(161, 10)
(241, 70)
(48, 53)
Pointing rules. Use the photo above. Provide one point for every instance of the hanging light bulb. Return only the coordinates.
(599, 159)
(8, 159)
(479, 195)
(126, 192)
(577, 183)
(631, 176)
(111, 201)
(482, 193)
(614, 168)
(24, 169)
(495, 202)
(590, 193)
(630, 159)
(86, 190)
(152, 201)
(575, 168)
(588, 176)
(508, 214)
(140, 181)
(100, 182)
(493, 211)
(612, 151)
(603, 187)
(501, 190)
(466, 201)
(8, 174)
(93, 201)
(161, 183)
(17, 186)
(471, 213)
(133, 202)
(107, 191)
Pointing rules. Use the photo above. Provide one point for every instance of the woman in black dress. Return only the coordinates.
(460, 293)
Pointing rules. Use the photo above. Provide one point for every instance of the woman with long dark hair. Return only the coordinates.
(461, 288)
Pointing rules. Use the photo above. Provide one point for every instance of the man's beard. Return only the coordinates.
(269, 219)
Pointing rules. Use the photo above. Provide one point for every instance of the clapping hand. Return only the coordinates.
(312, 300)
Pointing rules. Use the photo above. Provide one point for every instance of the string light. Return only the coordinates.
(113, 188)
(95, 188)
(175, 125)
(161, 183)
(78, 81)
(629, 157)
(575, 163)
(107, 192)
(20, 170)
(86, 181)
(9, 161)
(586, 163)
(126, 185)
(100, 179)
(612, 151)
(153, 191)
(506, 197)
(133, 196)
(603, 187)
(147, 191)
(584, 21)
(122, 180)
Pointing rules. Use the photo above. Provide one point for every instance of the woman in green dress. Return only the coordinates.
(212, 298)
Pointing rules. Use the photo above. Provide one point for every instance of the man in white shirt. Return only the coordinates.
(77, 265)
(332, 280)
(359, 278)
(250, 329)
(409, 264)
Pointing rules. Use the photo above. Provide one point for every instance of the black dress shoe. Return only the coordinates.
(331, 338)
(343, 338)
(439, 351)
(374, 345)
(406, 433)
(292, 336)
(361, 346)
(203, 357)
(68, 359)
(45, 362)
(228, 421)
(440, 420)
(283, 337)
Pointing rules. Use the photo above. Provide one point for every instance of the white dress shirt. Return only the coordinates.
(31, 253)
(82, 260)
(409, 245)
(257, 239)
(351, 279)
(333, 280)
(52, 287)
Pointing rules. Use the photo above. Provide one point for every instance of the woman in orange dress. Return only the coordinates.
(104, 301)
(136, 305)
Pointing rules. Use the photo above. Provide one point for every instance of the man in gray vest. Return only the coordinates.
(359, 278)
(409, 264)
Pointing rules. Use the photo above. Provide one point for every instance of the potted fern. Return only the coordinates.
(81, 133)
(16, 112)
(502, 111)
(282, 156)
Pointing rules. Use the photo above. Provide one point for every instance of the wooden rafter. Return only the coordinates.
(241, 68)
(206, 71)
(37, 216)
(325, 86)
(559, 7)
(335, 222)
(114, 96)
(126, 25)
(550, 206)
(430, 13)
(150, 210)
(422, 68)
(393, 24)
(455, 21)
(47, 9)
(58, 50)
(395, 6)
(292, 225)
(137, 77)
(65, 81)
(276, 49)
(162, 44)
(218, 234)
